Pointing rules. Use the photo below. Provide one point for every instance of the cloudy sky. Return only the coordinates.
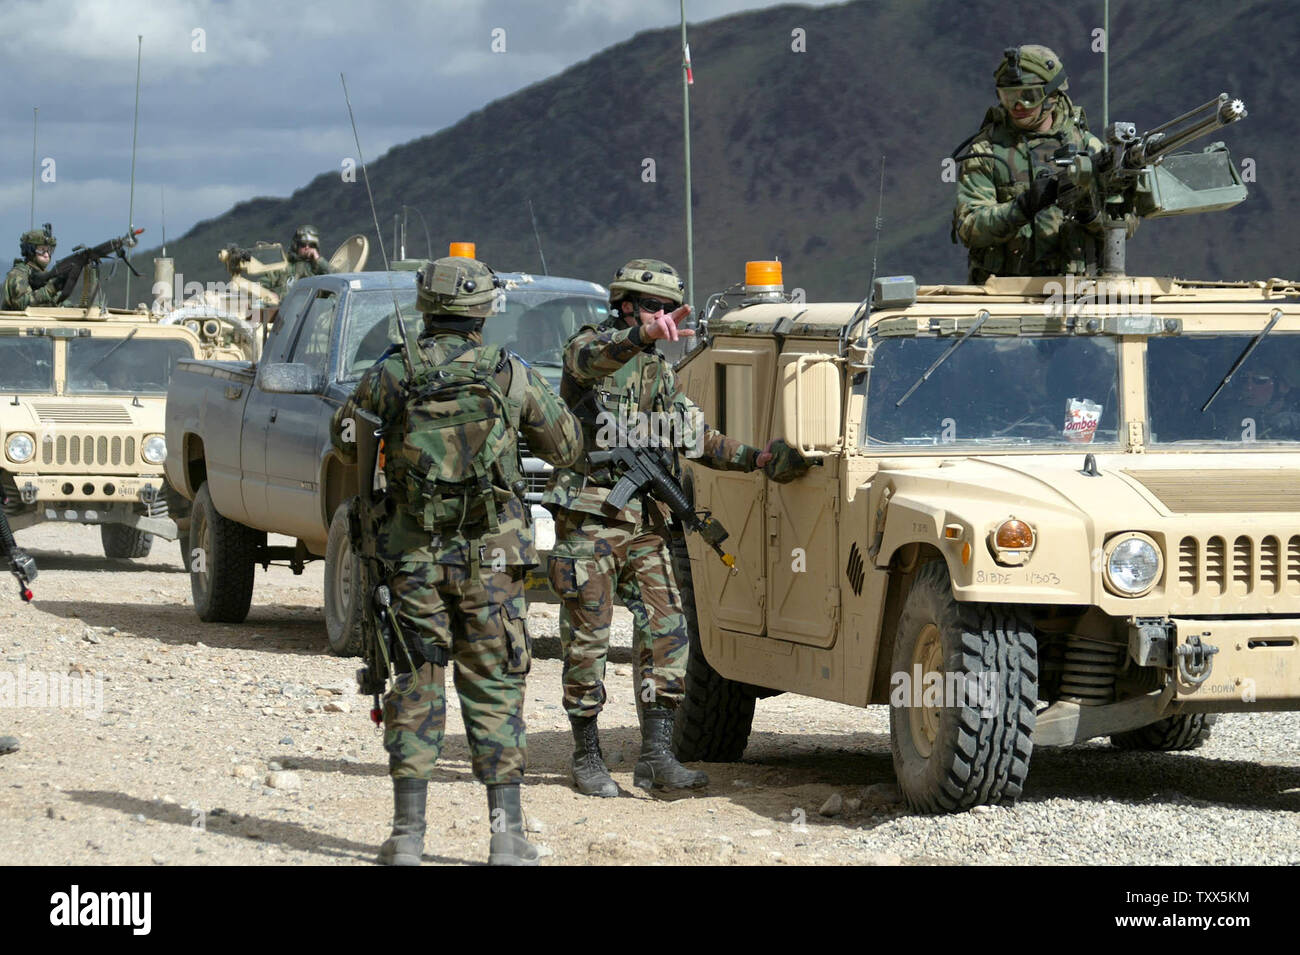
(242, 98)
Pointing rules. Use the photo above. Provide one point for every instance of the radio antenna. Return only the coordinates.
(537, 236)
(135, 130)
(35, 112)
(374, 215)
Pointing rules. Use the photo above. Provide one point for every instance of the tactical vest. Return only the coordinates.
(452, 455)
(637, 387)
(1056, 244)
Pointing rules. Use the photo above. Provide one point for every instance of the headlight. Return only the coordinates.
(154, 449)
(20, 448)
(1133, 564)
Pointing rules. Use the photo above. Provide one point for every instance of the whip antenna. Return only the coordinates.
(135, 129)
(397, 309)
(537, 236)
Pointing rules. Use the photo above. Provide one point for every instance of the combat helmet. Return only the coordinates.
(646, 277)
(32, 238)
(457, 287)
(306, 235)
(1028, 75)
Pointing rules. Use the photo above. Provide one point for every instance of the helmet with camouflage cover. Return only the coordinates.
(1029, 74)
(29, 240)
(306, 235)
(457, 287)
(646, 277)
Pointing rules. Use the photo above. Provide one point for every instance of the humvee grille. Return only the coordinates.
(83, 450)
(82, 414)
(1255, 566)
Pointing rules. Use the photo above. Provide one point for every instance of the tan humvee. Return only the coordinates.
(81, 416)
(1047, 541)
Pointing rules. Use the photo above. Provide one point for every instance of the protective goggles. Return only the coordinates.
(1026, 97)
(654, 306)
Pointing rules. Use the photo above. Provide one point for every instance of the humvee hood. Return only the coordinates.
(1041, 482)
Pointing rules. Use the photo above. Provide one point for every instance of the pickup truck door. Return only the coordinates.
(296, 428)
(256, 413)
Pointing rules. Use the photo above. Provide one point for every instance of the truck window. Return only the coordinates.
(1013, 391)
(369, 328)
(313, 345)
(27, 365)
(735, 391)
(1261, 403)
(122, 365)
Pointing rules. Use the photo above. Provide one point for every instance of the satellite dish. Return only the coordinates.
(351, 255)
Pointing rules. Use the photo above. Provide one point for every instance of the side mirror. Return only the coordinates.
(290, 378)
(812, 402)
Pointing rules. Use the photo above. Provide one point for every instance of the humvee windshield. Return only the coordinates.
(1261, 403)
(137, 366)
(27, 365)
(1049, 391)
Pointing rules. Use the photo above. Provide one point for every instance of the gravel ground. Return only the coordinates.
(243, 745)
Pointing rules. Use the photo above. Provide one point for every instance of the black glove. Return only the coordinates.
(1041, 193)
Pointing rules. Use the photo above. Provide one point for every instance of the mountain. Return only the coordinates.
(787, 145)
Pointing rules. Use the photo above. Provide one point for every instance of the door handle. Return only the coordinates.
(274, 412)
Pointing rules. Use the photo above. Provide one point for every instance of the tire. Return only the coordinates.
(712, 723)
(1171, 735)
(342, 589)
(122, 541)
(975, 751)
(222, 582)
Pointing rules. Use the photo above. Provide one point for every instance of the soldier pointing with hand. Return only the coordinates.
(612, 371)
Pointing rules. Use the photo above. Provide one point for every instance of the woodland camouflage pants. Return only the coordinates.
(593, 560)
(482, 621)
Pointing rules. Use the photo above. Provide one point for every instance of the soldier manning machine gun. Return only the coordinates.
(68, 269)
(1141, 177)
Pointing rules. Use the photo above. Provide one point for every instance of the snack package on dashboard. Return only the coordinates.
(1081, 418)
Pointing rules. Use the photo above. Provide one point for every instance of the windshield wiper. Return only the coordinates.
(983, 317)
(111, 351)
(537, 363)
(1241, 359)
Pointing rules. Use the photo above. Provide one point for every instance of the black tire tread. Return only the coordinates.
(990, 756)
(231, 563)
(352, 646)
(1173, 734)
(713, 722)
(121, 541)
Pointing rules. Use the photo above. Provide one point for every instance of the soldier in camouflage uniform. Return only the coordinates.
(600, 552)
(304, 260)
(37, 246)
(458, 593)
(1006, 213)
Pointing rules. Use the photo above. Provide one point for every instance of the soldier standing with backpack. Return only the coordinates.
(457, 538)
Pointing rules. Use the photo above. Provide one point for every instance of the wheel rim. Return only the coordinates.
(343, 582)
(923, 721)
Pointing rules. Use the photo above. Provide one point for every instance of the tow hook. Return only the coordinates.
(1195, 659)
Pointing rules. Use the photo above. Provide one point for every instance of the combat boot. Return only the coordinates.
(590, 773)
(406, 844)
(658, 767)
(509, 845)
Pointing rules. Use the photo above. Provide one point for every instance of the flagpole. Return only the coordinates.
(688, 79)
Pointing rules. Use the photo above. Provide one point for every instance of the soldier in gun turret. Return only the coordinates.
(1006, 192)
(458, 539)
(601, 552)
(37, 246)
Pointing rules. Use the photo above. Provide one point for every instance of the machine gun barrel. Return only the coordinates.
(1167, 137)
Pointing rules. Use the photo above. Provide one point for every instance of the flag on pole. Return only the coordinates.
(690, 74)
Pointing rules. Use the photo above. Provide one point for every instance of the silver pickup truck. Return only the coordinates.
(249, 444)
